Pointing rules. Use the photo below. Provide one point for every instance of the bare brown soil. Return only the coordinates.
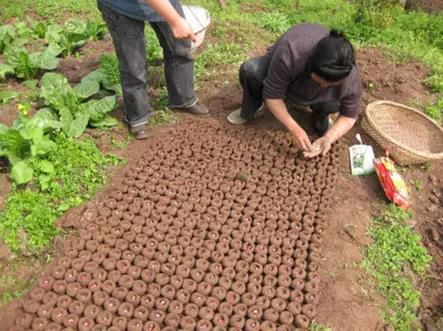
(430, 5)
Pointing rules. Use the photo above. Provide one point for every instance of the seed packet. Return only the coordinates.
(361, 158)
(392, 182)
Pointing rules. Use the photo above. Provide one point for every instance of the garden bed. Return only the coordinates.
(347, 302)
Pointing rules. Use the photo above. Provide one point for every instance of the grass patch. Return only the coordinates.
(217, 55)
(27, 223)
(435, 110)
(406, 34)
(395, 258)
(50, 9)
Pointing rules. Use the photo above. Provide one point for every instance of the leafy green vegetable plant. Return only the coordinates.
(26, 65)
(6, 96)
(74, 109)
(108, 75)
(73, 34)
(27, 138)
(6, 70)
(7, 34)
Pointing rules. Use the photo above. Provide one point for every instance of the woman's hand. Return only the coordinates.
(320, 146)
(182, 30)
(302, 140)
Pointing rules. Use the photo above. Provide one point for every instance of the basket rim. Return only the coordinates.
(372, 106)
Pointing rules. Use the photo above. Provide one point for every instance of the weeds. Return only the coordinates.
(406, 34)
(393, 259)
(11, 288)
(277, 23)
(27, 224)
(17, 277)
(418, 185)
(435, 110)
(163, 117)
(218, 54)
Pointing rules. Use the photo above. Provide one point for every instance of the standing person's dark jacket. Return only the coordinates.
(138, 9)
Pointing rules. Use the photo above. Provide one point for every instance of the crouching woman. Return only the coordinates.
(313, 67)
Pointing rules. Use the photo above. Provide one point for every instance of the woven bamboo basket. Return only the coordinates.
(407, 134)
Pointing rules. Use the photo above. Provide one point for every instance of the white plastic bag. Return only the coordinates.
(361, 158)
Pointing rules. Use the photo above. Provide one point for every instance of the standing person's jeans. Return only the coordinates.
(130, 46)
(252, 75)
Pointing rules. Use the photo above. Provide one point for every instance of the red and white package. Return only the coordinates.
(392, 182)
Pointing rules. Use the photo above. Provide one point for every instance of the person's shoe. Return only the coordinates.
(197, 109)
(139, 132)
(236, 119)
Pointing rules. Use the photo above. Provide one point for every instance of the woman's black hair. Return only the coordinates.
(333, 57)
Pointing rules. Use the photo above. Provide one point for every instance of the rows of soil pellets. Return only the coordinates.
(214, 229)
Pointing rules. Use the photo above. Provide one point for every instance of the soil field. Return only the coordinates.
(342, 299)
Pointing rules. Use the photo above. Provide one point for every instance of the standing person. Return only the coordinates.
(126, 22)
(311, 66)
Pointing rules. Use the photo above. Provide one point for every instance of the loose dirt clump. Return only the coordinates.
(183, 242)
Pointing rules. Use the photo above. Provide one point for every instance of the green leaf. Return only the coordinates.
(96, 75)
(66, 118)
(5, 69)
(110, 69)
(98, 108)
(31, 133)
(39, 29)
(7, 34)
(78, 125)
(13, 145)
(46, 167)
(6, 96)
(42, 146)
(23, 63)
(21, 173)
(45, 119)
(75, 27)
(54, 49)
(87, 88)
(95, 29)
(19, 42)
(23, 30)
(43, 181)
(30, 83)
(55, 90)
(53, 34)
(105, 122)
(46, 60)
